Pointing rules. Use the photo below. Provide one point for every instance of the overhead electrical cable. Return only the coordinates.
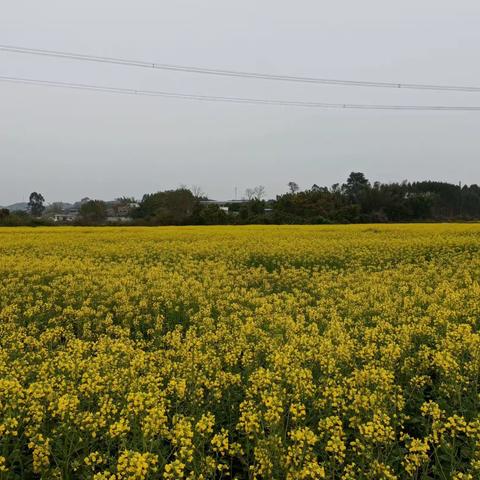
(236, 73)
(241, 100)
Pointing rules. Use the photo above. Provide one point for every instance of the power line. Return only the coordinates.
(241, 100)
(235, 73)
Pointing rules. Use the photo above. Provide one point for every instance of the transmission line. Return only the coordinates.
(241, 100)
(235, 73)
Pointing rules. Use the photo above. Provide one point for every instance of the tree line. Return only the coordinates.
(355, 201)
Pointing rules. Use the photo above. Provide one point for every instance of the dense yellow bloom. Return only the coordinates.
(40, 447)
(135, 465)
(331, 430)
(259, 352)
(417, 455)
(94, 458)
(205, 424)
(3, 467)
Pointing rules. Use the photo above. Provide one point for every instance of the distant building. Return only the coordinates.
(118, 219)
(65, 217)
(118, 211)
(225, 205)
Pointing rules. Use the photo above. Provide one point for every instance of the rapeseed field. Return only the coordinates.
(336, 352)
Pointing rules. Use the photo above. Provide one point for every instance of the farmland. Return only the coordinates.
(338, 352)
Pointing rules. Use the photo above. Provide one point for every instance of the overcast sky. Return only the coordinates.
(69, 144)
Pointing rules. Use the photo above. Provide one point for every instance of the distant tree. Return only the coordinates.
(168, 207)
(470, 200)
(243, 213)
(293, 187)
(259, 192)
(125, 200)
(198, 192)
(419, 205)
(249, 193)
(356, 184)
(355, 201)
(356, 181)
(14, 219)
(36, 204)
(447, 201)
(256, 206)
(213, 215)
(93, 211)
(255, 193)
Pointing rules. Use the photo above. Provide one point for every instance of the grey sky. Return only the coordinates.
(69, 144)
